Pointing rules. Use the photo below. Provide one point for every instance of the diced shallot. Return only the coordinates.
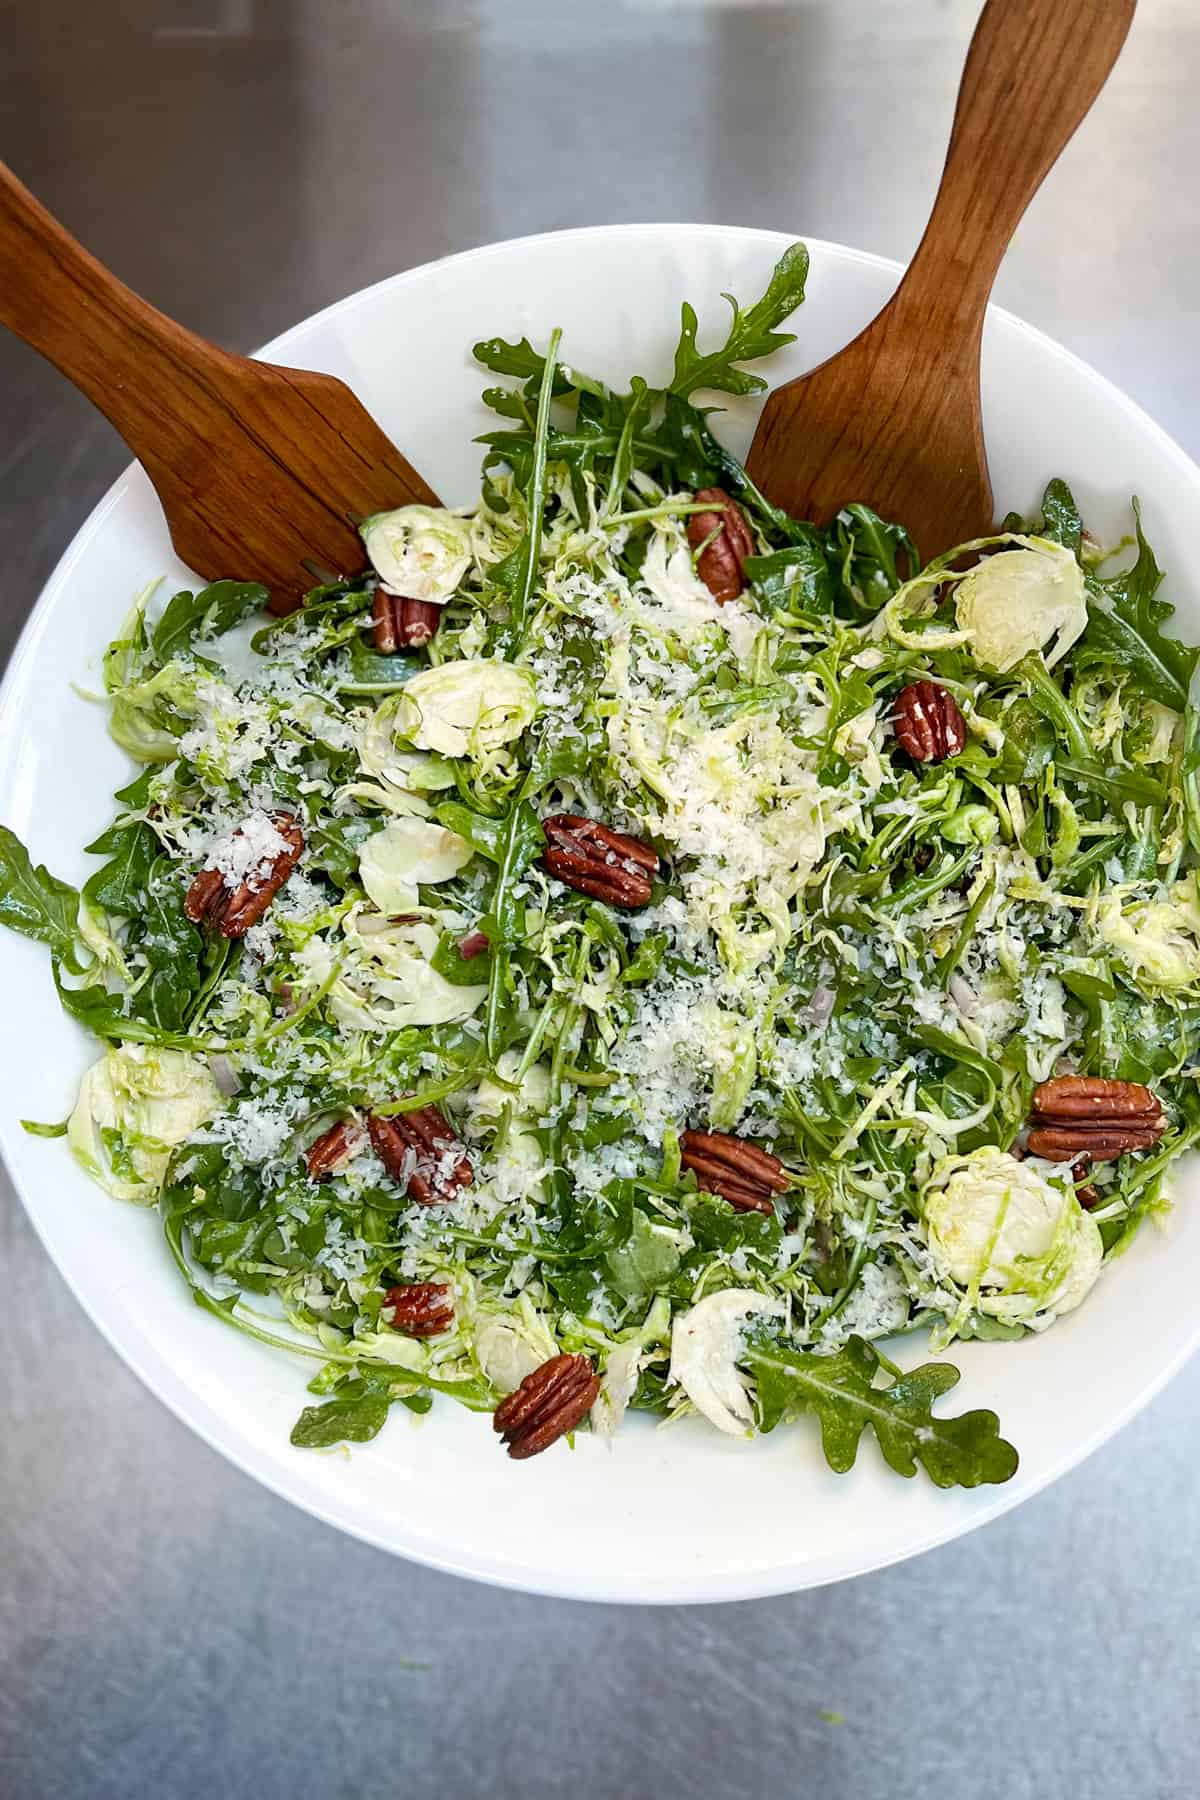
(820, 1006)
(224, 1074)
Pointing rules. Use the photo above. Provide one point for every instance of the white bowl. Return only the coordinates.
(667, 1515)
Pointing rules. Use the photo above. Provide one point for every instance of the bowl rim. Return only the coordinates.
(185, 1405)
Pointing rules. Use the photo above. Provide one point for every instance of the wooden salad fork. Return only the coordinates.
(260, 469)
(894, 420)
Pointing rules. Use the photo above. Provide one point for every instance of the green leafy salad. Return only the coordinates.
(632, 951)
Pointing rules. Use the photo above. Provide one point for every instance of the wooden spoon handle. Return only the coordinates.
(1032, 72)
(128, 358)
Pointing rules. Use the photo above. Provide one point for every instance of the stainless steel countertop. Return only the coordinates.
(167, 1628)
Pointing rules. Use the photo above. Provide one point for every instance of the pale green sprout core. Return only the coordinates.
(419, 552)
(407, 853)
(134, 1106)
(465, 708)
(1011, 1235)
(1020, 601)
(706, 1346)
(1158, 940)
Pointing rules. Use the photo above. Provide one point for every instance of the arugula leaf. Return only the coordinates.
(1116, 784)
(716, 1226)
(517, 574)
(623, 461)
(174, 947)
(696, 459)
(333, 845)
(1060, 517)
(486, 836)
(1079, 763)
(961, 1452)
(867, 552)
(370, 672)
(957, 1050)
(336, 605)
(1029, 741)
(520, 842)
(1126, 1037)
(417, 1403)
(358, 1414)
(512, 843)
(920, 888)
(449, 962)
(36, 903)
(505, 401)
(214, 609)
(646, 960)
(751, 334)
(1189, 767)
(1124, 627)
(722, 705)
(523, 360)
(1052, 703)
(205, 1178)
(120, 885)
(553, 759)
(797, 580)
(588, 1227)
(952, 959)
(646, 1261)
(104, 1015)
(503, 358)
(136, 793)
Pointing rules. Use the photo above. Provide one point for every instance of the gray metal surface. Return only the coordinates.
(166, 1627)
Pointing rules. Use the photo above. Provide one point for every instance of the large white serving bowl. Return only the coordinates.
(680, 1514)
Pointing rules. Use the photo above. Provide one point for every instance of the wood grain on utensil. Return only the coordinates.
(257, 467)
(895, 418)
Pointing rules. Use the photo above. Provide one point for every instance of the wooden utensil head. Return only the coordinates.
(895, 419)
(259, 469)
(272, 467)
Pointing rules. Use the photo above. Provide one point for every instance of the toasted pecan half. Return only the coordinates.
(737, 1170)
(1088, 1116)
(233, 910)
(595, 860)
(420, 1151)
(420, 1308)
(727, 542)
(552, 1401)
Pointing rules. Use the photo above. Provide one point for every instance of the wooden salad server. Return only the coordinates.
(894, 419)
(258, 467)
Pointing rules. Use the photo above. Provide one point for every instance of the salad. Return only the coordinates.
(632, 950)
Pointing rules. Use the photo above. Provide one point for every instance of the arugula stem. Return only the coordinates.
(566, 1028)
(966, 932)
(858, 1262)
(430, 1092)
(535, 501)
(912, 893)
(666, 509)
